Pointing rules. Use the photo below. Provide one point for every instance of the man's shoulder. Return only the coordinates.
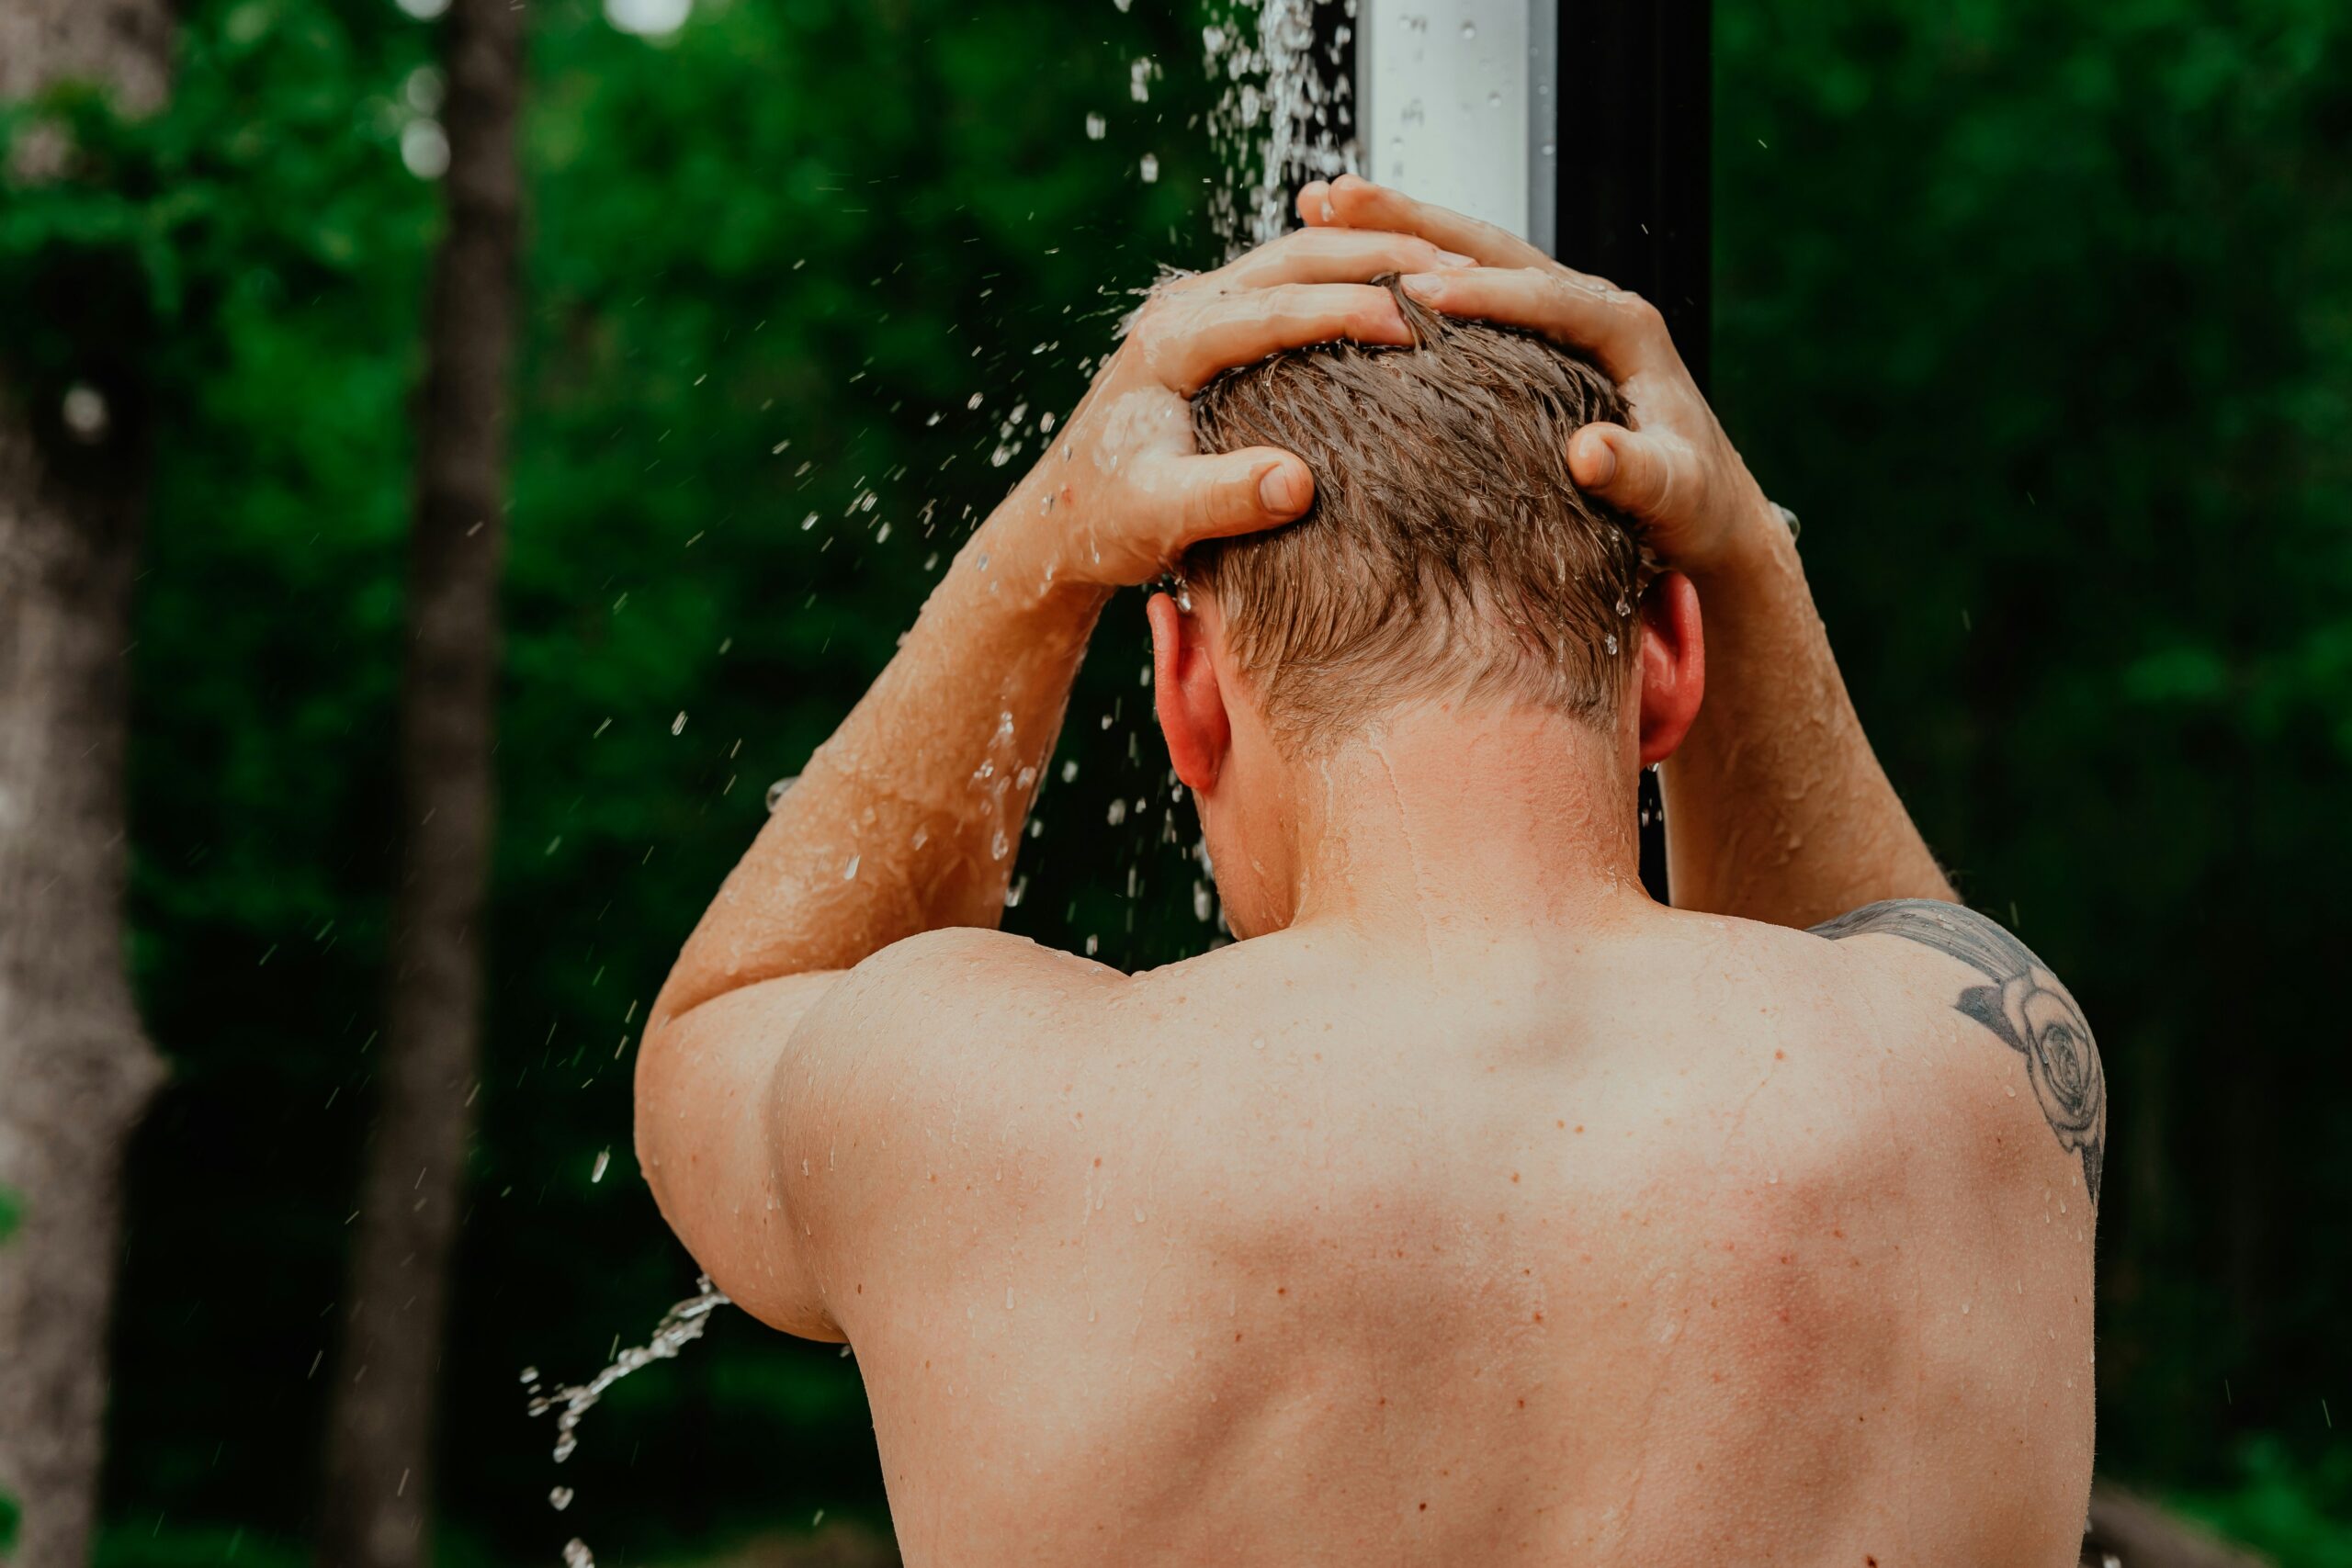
(1955, 929)
(946, 992)
(1950, 957)
(1988, 976)
(950, 985)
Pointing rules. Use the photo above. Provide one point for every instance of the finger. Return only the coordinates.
(1232, 492)
(1623, 332)
(1641, 475)
(1330, 255)
(1359, 204)
(1315, 204)
(1208, 333)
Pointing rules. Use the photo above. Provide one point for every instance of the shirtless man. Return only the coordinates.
(1475, 1209)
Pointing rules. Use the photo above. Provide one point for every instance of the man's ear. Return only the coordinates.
(1185, 694)
(1674, 665)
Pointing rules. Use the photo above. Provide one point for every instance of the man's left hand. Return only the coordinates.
(1122, 490)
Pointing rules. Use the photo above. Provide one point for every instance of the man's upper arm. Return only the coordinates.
(732, 1086)
(2020, 1002)
(706, 1138)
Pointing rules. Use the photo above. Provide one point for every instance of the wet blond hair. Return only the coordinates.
(1446, 552)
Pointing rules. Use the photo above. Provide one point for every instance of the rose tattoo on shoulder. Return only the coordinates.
(2022, 1003)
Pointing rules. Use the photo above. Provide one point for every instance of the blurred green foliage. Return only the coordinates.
(2294, 1506)
(2039, 314)
(2041, 317)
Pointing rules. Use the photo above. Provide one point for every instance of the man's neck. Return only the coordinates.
(1448, 828)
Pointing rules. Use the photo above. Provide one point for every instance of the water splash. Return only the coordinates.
(680, 1326)
(1285, 116)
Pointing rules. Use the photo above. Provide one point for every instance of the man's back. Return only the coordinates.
(1687, 1240)
(1473, 1208)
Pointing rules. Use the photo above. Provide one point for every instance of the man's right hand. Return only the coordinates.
(1675, 471)
(1777, 809)
(1120, 489)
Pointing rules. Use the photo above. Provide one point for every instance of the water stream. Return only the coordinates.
(1283, 115)
(679, 1327)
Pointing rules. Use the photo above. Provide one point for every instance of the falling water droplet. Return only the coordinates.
(559, 1498)
(1150, 169)
(1095, 127)
(1469, 29)
(604, 1158)
(678, 725)
(849, 872)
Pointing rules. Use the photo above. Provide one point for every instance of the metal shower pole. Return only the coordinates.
(1582, 125)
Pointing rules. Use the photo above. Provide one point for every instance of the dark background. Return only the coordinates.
(2039, 311)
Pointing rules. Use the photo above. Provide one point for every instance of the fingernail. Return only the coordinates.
(1282, 489)
(1424, 285)
(1455, 258)
(1331, 213)
(1604, 468)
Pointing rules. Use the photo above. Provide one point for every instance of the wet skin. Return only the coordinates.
(1476, 1209)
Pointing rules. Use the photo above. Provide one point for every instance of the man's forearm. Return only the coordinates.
(909, 818)
(1776, 807)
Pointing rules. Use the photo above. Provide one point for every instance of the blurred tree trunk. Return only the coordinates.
(379, 1482)
(76, 1069)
